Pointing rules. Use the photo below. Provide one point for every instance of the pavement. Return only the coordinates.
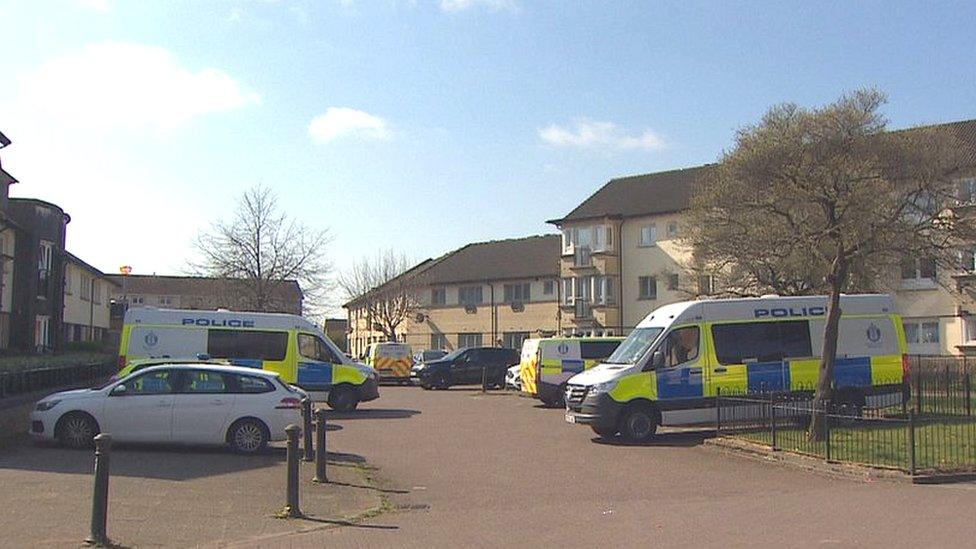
(170, 496)
(462, 468)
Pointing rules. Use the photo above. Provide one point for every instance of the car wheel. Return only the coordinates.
(343, 399)
(248, 436)
(76, 430)
(639, 423)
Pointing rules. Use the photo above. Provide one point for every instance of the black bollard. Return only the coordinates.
(320, 449)
(99, 514)
(307, 429)
(292, 509)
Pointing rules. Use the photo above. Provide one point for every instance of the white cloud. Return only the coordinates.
(493, 5)
(591, 134)
(96, 5)
(123, 85)
(343, 121)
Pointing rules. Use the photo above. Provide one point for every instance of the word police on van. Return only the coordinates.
(228, 322)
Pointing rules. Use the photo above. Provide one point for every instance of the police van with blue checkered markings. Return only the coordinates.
(288, 344)
(672, 365)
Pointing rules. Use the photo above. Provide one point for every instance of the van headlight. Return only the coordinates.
(604, 387)
(46, 405)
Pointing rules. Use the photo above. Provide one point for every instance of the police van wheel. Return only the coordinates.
(639, 423)
(343, 399)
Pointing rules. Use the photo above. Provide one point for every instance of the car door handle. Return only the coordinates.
(693, 371)
(721, 370)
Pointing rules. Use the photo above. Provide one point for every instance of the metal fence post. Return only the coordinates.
(307, 429)
(969, 393)
(292, 509)
(99, 514)
(320, 449)
(911, 443)
(918, 392)
(772, 419)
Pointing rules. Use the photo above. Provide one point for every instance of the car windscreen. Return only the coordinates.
(634, 347)
(453, 354)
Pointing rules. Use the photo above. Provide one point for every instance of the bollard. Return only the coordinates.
(911, 443)
(772, 420)
(99, 513)
(292, 509)
(320, 448)
(307, 429)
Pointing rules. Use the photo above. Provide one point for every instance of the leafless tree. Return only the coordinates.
(262, 248)
(385, 297)
(826, 200)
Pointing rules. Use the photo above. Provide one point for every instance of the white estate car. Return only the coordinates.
(179, 403)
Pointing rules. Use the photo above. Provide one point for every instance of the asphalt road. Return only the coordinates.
(467, 469)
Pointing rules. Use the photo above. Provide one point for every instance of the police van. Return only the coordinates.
(547, 364)
(288, 344)
(669, 369)
(391, 360)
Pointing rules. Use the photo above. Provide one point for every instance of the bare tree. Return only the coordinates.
(825, 200)
(262, 248)
(376, 285)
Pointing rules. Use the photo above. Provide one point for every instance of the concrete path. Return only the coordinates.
(494, 470)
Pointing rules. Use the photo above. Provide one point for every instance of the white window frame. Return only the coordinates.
(648, 235)
(640, 288)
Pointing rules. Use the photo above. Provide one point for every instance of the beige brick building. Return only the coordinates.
(487, 293)
(620, 258)
(87, 301)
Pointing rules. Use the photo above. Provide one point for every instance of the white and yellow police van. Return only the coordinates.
(288, 344)
(669, 369)
(547, 364)
(391, 360)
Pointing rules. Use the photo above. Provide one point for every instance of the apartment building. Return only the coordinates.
(495, 293)
(621, 258)
(87, 297)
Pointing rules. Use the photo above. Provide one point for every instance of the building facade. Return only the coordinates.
(87, 302)
(621, 257)
(202, 293)
(496, 293)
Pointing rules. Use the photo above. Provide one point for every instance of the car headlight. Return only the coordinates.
(604, 387)
(46, 405)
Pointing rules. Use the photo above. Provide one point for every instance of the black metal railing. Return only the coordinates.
(928, 426)
(38, 379)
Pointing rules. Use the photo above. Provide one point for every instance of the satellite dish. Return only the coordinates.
(518, 306)
(470, 309)
(420, 317)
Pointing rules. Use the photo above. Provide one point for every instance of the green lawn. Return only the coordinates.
(33, 362)
(939, 445)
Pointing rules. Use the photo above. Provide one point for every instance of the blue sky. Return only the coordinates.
(421, 125)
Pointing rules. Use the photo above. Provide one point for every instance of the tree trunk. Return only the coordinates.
(828, 354)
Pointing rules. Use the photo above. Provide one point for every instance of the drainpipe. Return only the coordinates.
(620, 282)
(91, 311)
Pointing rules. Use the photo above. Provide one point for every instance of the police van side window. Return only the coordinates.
(597, 349)
(681, 346)
(247, 344)
(761, 341)
(314, 348)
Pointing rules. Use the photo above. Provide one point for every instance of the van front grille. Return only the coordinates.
(575, 394)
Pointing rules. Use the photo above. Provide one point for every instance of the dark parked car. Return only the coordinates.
(467, 366)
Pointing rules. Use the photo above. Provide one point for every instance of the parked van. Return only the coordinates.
(290, 345)
(391, 360)
(669, 369)
(547, 364)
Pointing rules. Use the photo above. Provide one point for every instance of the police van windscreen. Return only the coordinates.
(634, 347)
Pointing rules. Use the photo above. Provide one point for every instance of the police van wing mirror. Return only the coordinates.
(657, 360)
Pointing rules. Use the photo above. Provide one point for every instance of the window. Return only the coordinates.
(67, 279)
(165, 300)
(967, 191)
(568, 291)
(706, 285)
(205, 381)
(604, 238)
(44, 253)
(158, 382)
(517, 292)
(673, 229)
(590, 350)
(310, 346)
(96, 292)
(513, 340)
(469, 340)
(136, 300)
(568, 240)
(603, 290)
(253, 385)
(84, 286)
(967, 260)
(919, 269)
(438, 296)
(470, 295)
(252, 344)
(548, 287)
(438, 341)
(648, 235)
(681, 346)
(673, 282)
(647, 287)
(42, 331)
(926, 268)
(761, 341)
(921, 332)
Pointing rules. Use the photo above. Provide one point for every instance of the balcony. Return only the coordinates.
(582, 309)
(582, 259)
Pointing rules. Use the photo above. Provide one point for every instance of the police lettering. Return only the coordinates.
(228, 323)
(790, 311)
